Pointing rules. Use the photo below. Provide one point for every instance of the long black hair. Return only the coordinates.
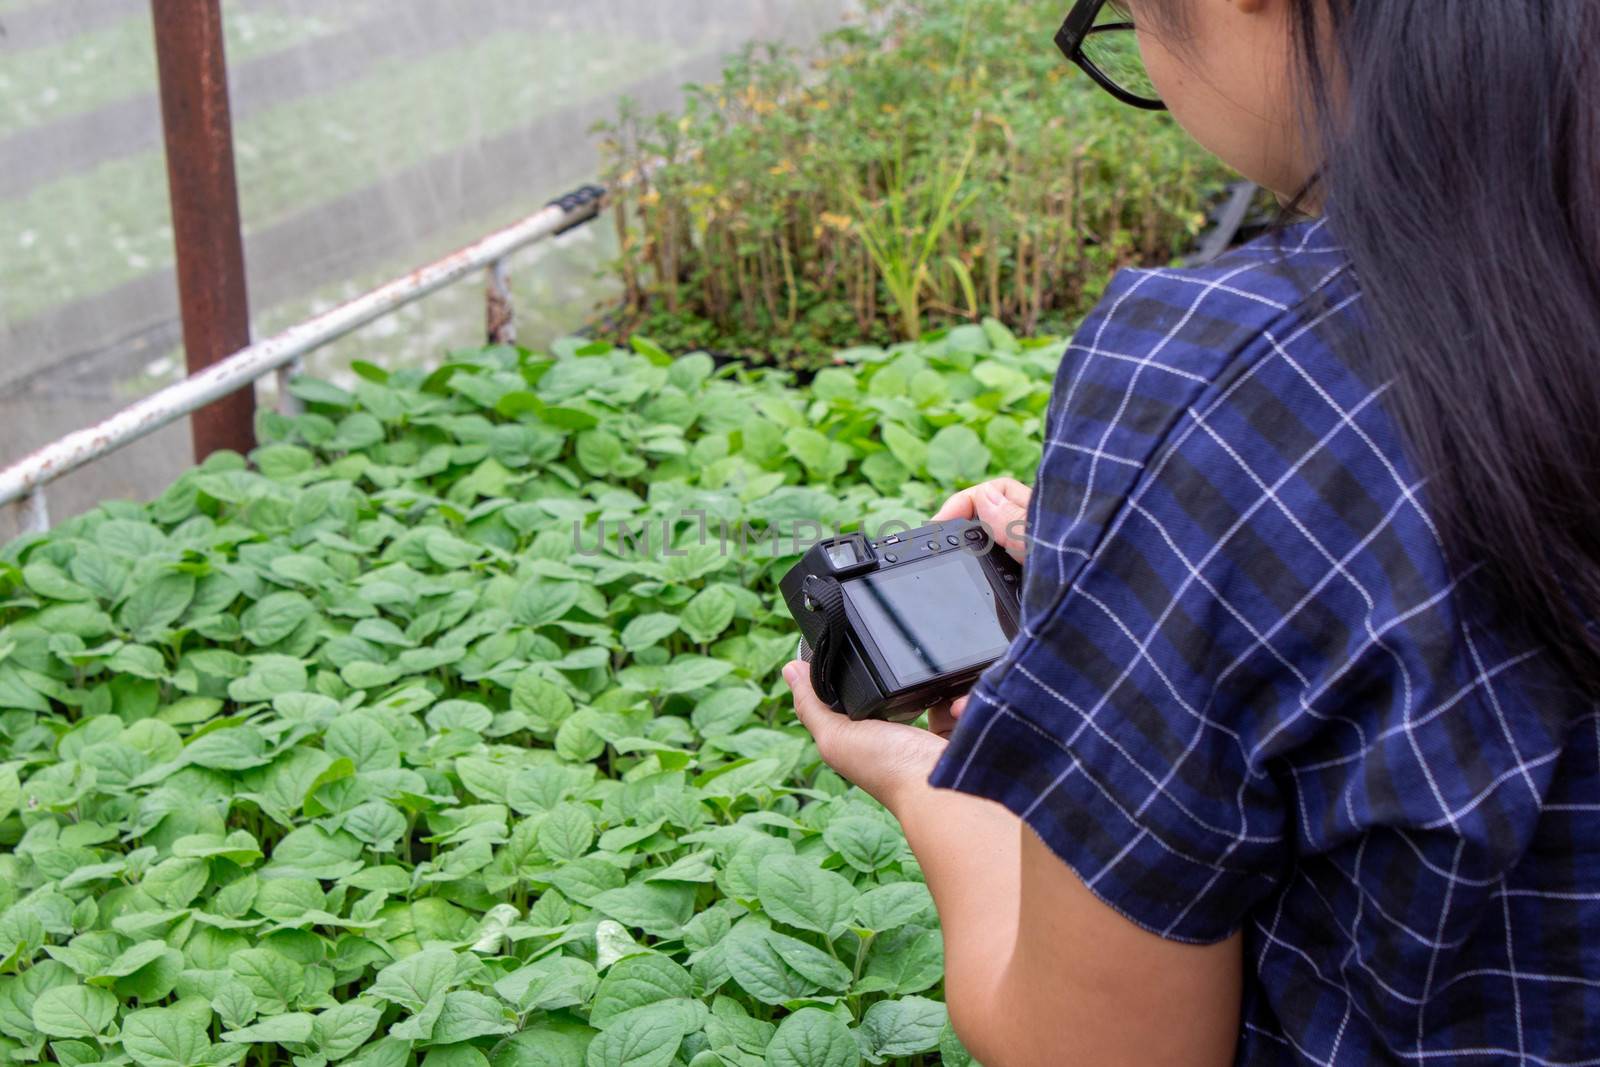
(1460, 148)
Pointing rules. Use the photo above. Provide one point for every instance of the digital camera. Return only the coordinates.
(893, 626)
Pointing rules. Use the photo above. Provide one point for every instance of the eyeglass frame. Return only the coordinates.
(1076, 30)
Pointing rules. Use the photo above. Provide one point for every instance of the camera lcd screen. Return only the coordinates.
(930, 619)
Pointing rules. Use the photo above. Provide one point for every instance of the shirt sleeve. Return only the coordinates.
(1116, 725)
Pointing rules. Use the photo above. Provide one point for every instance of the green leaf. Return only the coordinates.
(292, 1028)
(376, 824)
(316, 391)
(363, 741)
(99, 571)
(810, 962)
(448, 551)
(724, 711)
(467, 1015)
(273, 980)
(269, 676)
(141, 661)
(189, 710)
(906, 447)
(540, 1048)
(905, 1027)
(813, 1038)
(687, 673)
(739, 778)
(647, 1038)
(46, 579)
(645, 630)
(175, 882)
(133, 958)
(157, 604)
(957, 457)
(339, 1031)
(891, 906)
(708, 614)
(657, 908)
(282, 462)
(74, 1011)
(314, 852)
(550, 983)
(416, 980)
(541, 602)
(566, 833)
(234, 1003)
(599, 452)
(545, 702)
(823, 458)
(17, 692)
(274, 617)
(794, 890)
(235, 749)
(952, 1053)
(755, 964)
(908, 960)
(695, 867)
(10, 791)
(164, 1037)
(636, 982)
(866, 844)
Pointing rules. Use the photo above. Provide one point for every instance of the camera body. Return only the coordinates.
(896, 625)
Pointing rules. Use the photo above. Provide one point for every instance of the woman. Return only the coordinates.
(1297, 759)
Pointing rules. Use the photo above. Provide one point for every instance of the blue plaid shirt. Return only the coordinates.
(1250, 694)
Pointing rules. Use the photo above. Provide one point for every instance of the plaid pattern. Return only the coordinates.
(1250, 694)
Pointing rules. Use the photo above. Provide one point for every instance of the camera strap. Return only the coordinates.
(826, 596)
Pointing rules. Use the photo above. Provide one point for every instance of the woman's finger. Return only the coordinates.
(942, 718)
(814, 715)
(1013, 490)
(959, 506)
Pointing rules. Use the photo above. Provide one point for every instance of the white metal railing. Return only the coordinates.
(22, 484)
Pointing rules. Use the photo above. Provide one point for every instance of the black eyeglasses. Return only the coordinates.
(1100, 40)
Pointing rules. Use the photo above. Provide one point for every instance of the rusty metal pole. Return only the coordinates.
(205, 209)
(501, 317)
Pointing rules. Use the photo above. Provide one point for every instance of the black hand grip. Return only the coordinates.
(586, 196)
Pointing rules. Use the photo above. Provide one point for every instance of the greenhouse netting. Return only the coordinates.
(370, 137)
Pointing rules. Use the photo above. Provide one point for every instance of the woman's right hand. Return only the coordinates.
(1001, 504)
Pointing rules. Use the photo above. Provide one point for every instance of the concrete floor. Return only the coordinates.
(113, 335)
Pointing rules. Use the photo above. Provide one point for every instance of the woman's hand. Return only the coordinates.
(1001, 504)
(889, 760)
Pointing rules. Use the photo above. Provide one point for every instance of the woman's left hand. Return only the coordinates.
(889, 760)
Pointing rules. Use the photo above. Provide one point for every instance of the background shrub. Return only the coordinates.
(939, 164)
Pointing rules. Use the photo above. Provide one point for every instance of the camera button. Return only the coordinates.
(933, 546)
(891, 540)
(974, 535)
(890, 557)
(1011, 579)
(953, 539)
